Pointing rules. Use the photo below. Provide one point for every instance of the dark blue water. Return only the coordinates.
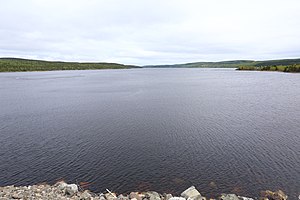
(152, 129)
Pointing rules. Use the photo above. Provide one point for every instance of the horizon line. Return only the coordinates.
(229, 60)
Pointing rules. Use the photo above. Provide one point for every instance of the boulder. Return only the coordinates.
(102, 198)
(71, 189)
(229, 197)
(177, 198)
(122, 197)
(60, 185)
(191, 193)
(152, 195)
(167, 196)
(245, 198)
(110, 196)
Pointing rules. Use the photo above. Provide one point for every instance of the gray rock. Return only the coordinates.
(177, 198)
(71, 189)
(245, 198)
(61, 185)
(17, 195)
(135, 195)
(198, 198)
(122, 197)
(191, 193)
(168, 196)
(153, 195)
(102, 198)
(277, 195)
(229, 197)
(110, 196)
(85, 195)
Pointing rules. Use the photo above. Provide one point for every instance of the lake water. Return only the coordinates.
(152, 129)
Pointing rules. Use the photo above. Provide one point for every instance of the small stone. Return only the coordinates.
(191, 193)
(38, 195)
(71, 189)
(17, 195)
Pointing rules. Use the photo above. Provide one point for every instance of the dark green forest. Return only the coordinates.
(20, 65)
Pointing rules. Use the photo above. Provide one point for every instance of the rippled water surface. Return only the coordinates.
(152, 129)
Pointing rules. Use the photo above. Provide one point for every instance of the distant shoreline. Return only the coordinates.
(27, 65)
(281, 68)
(24, 65)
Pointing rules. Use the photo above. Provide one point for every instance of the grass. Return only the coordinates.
(21, 65)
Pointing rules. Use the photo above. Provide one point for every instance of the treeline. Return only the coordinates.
(19, 65)
(281, 68)
(222, 64)
(230, 64)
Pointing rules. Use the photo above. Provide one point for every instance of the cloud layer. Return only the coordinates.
(150, 31)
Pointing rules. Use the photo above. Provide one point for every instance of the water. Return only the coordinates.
(152, 129)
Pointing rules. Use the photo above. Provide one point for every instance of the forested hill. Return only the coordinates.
(230, 64)
(17, 64)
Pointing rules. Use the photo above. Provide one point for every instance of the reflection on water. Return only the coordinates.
(152, 129)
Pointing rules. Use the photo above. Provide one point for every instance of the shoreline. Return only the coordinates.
(64, 191)
(280, 68)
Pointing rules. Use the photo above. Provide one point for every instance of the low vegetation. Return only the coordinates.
(19, 65)
(281, 68)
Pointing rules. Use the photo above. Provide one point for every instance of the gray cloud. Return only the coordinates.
(150, 32)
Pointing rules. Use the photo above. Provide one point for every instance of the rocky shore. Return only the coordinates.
(64, 191)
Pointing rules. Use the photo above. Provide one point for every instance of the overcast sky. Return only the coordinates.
(146, 32)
